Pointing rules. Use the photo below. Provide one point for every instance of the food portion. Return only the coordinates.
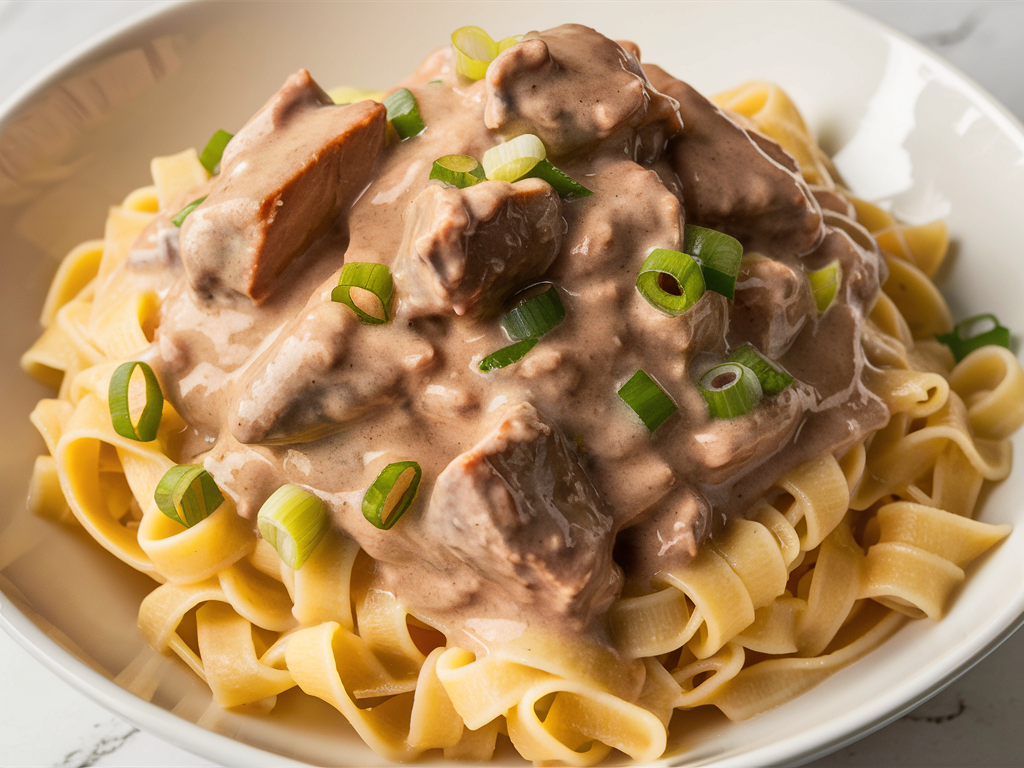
(542, 397)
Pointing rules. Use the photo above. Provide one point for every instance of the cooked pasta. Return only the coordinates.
(819, 557)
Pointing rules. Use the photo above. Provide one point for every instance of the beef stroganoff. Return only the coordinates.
(542, 396)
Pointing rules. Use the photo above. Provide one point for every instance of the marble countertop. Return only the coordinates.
(974, 722)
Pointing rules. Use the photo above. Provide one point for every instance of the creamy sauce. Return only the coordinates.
(543, 496)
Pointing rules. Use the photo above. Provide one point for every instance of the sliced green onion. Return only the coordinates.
(188, 494)
(719, 256)
(120, 410)
(293, 521)
(647, 399)
(214, 150)
(772, 378)
(392, 493)
(967, 336)
(824, 284)
(508, 42)
(505, 356)
(534, 317)
(404, 113)
(564, 185)
(366, 278)
(458, 170)
(513, 159)
(731, 389)
(180, 217)
(474, 51)
(685, 282)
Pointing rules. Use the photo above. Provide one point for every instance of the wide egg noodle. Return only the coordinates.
(819, 571)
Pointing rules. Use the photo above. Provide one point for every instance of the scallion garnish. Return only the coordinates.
(374, 287)
(475, 50)
(973, 333)
(670, 281)
(535, 316)
(180, 217)
(188, 494)
(120, 410)
(513, 353)
(458, 170)
(392, 493)
(731, 389)
(404, 113)
(513, 159)
(824, 284)
(647, 399)
(719, 256)
(772, 378)
(566, 186)
(293, 521)
(214, 150)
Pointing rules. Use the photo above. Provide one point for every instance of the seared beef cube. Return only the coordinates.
(285, 178)
(466, 250)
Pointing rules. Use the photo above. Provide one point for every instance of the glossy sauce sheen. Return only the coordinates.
(543, 497)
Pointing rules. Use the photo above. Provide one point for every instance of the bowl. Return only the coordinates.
(906, 130)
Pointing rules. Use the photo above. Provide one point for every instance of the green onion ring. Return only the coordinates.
(293, 521)
(647, 399)
(373, 278)
(120, 410)
(962, 345)
(458, 170)
(679, 267)
(513, 159)
(534, 317)
(474, 51)
(188, 494)
(772, 378)
(505, 356)
(731, 389)
(404, 113)
(214, 150)
(180, 216)
(566, 186)
(719, 256)
(379, 505)
(825, 284)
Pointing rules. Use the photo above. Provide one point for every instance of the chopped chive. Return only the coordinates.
(505, 356)
(188, 494)
(214, 150)
(968, 335)
(566, 186)
(686, 282)
(404, 113)
(180, 217)
(120, 411)
(392, 493)
(534, 317)
(719, 256)
(293, 521)
(730, 389)
(647, 399)
(772, 378)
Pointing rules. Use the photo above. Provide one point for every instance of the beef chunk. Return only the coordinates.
(466, 250)
(731, 184)
(285, 177)
(520, 511)
(573, 88)
(773, 302)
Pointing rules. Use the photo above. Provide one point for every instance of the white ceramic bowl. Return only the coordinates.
(907, 129)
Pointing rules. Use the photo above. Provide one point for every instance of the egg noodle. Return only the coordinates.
(820, 570)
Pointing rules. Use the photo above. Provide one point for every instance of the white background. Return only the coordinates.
(977, 721)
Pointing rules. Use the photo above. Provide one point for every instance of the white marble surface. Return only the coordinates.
(974, 722)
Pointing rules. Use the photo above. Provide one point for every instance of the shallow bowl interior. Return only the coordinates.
(908, 131)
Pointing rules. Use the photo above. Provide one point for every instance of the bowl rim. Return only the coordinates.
(820, 740)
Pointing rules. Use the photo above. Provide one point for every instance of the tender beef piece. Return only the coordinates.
(285, 177)
(773, 302)
(466, 250)
(573, 88)
(520, 511)
(666, 537)
(325, 372)
(831, 200)
(731, 184)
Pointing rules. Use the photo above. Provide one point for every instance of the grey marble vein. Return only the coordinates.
(114, 735)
